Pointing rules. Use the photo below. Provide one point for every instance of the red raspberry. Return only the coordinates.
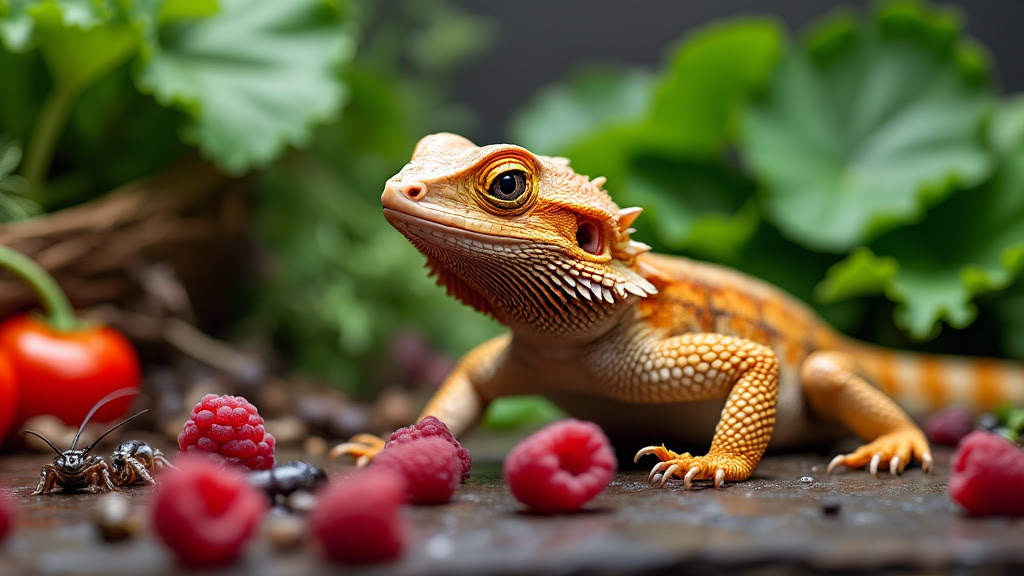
(431, 426)
(560, 467)
(231, 427)
(948, 427)
(205, 511)
(8, 515)
(358, 520)
(988, 471)
(429, 465)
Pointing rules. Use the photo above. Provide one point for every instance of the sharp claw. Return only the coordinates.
(363, 461)
(643, 452)
(926, 462)
(894, 466)
(668, 474)
(654, 471)
(834, 463)
(873, 467)
(688, 479)
(719, 479)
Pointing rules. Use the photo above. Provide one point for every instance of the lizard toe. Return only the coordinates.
(893, 451)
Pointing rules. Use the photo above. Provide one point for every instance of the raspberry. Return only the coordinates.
(560, 467)
(430, 466)
(988, 471)
(231, 427)
(358, 520)
(205, 511)
(8, 514)
(431, 426)
(948, 427)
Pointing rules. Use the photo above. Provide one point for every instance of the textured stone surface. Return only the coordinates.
(774, 523)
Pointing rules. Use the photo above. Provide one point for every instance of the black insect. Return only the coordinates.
(76, 469)
(287, 478)
(136, 461)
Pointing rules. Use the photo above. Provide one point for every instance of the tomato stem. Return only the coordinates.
(60, 315)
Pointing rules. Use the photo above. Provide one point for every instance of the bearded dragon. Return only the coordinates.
(650, 344)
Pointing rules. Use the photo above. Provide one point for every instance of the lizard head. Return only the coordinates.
(517, 235)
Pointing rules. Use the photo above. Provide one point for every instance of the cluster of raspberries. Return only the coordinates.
(358, 519)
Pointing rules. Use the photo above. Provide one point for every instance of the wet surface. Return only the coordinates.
(790, 518)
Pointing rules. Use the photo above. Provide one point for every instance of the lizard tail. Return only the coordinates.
(925, 383)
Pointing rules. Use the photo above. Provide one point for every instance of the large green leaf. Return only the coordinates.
(867, 124)
(971, 244)
(709, 77)
(564, 114)
(254, 78)
(703, 207)
(661, 144)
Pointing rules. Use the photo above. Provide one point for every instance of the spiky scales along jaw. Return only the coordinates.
(516, 235)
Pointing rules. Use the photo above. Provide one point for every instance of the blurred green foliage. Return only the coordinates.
(111, 90)
(868, 165)
(339, 281)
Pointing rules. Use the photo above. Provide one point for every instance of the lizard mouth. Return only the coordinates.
(443, 233)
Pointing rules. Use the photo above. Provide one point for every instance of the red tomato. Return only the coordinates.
(8, 396)
(65, 373)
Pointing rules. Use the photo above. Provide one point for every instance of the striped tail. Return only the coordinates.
(924, 383)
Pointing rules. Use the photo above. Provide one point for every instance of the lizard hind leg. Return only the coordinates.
(835, 390)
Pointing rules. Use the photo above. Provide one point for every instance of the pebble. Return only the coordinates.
(315, 446)
(115, 518)
(806, 480)
(831, 506)
(301, 501)
(285, 531)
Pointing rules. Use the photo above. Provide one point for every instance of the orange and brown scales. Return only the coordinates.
(699, 297)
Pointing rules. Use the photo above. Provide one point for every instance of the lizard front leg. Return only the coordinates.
(458, 402)
(834, 389)
(703, 366)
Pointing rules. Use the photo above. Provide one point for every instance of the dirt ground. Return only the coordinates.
(789, 519)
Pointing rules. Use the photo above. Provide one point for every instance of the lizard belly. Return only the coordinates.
(691, 425)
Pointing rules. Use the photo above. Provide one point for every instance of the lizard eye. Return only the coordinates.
(509, 186)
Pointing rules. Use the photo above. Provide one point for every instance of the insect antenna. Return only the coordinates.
(43, 438)
(112, 396)
(104, 435)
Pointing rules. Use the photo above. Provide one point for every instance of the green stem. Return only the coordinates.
(59, 313)
(43, 142)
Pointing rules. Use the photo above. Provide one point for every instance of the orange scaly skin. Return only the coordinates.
(652, 346)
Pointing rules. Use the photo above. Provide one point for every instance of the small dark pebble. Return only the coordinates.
(988, 421)
(831, 506)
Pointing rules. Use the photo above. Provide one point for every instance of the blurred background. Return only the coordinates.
(868, 157)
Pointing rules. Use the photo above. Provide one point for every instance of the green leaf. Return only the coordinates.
(659, 141)
(702, 207)
(20, 20)
(567, 113)
(709, 77)
(861, 273)
(14, 203)
(868, 124)
(254, 78)
(970, 245)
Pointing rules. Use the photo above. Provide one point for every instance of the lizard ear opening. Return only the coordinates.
(588, 236)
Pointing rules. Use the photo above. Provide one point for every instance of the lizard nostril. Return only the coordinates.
(415, 191)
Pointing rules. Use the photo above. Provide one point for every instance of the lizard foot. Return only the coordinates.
(362, 447)
(716, 467)
(893, 451)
